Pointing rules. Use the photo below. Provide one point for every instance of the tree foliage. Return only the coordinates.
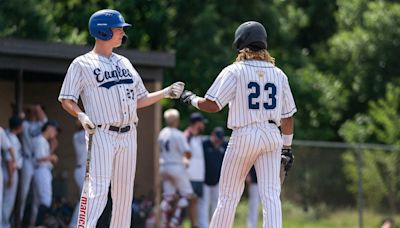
(380, 168)
(199, 32)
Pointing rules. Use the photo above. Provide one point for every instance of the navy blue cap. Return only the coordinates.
(14, 122)
(197, 117)
(219, 132)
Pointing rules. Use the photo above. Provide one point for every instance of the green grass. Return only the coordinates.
(319, 217)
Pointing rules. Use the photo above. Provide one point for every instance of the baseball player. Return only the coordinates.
(259, 100)
(174, 149)
(44, 160)
(111, 91)
(79, 174)
(196, 169)
(10, 177)
(214, 151)
(32, 125)
(5, 145)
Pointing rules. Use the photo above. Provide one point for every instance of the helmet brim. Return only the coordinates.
(125, 25)
(120, 25)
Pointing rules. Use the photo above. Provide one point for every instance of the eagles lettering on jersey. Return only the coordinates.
(109, 79)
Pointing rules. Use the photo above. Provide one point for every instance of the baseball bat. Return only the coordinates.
(83, 203)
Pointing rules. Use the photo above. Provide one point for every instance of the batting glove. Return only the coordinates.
(174, 91)
(87, 124)
(187, 97)
(287, 158)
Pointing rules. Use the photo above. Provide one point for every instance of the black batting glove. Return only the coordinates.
(287, 158)
(187, 97)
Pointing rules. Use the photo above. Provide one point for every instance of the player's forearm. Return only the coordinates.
(200, 103)
(40, 113)
(287, 126)
(71, 107)
(150, 99)
(44, 159)
(287, 131)
(205, 105)
(10, 168)
(12, 153)
(53, 145)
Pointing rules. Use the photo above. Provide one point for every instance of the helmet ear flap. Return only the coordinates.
(104, 34)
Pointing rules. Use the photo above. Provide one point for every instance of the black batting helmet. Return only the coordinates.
(250, 34)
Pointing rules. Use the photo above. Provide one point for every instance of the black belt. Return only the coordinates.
(118, 129)
(272, 122)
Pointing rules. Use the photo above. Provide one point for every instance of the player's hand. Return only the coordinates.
(12, 165)
(187, 97)
(87, 124)
(248, 179)
(53, 158)
(9, 182)
(174, 91)
(53, 144)
(287, 158)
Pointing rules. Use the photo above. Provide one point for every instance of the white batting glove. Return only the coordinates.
(87, 124)
(174, 91)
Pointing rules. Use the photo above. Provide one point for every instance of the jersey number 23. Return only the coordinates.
(255, 94)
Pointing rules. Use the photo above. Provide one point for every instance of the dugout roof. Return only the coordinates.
(54, 58)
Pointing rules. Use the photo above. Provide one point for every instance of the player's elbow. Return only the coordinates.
(209, 106)
(214, 108)
(65, 103)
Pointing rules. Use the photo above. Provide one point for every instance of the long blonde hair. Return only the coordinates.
(248, 54)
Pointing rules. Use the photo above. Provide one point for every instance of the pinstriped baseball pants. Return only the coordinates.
(259, 144)
(113, 161)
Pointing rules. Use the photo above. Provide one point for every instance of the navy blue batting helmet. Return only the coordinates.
(250, 34)
(101, 22)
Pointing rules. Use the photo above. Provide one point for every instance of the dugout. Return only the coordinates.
(32, 72)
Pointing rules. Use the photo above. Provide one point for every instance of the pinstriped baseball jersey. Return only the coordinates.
(172, 145)
(256, 91)
(109, 88)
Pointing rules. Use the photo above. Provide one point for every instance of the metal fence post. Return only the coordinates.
(360, 200)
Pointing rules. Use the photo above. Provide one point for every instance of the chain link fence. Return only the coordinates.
(336, 175)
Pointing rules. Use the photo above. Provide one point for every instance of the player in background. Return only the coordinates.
(196, 168)
(11, 176)
(174, 150)
(79, 142)
(5, 145)
(214, 150)
(44, 160)
(111, 91)
(260, 100)
(35, 118)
